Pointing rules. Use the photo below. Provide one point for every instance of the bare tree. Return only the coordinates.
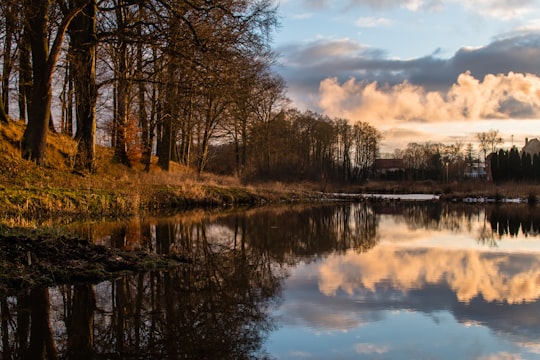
(36, 13)
(121, 11)
(83, 41)
(205, 39)
(11, 13)
(25, 73)
(366, 140)
(489, 141)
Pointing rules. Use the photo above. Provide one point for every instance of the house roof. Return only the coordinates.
(532, 146)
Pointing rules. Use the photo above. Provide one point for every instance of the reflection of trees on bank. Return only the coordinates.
(415, 215)
(216, 306)
(283, 232)
(26, 328)
(433, 215)
(289, 234)
(491, 222)
(511, 220)
(79, 304)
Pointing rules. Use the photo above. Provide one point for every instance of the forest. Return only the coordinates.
(189, 81)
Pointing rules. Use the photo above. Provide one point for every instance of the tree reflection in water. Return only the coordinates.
(511, 220)
(218, 304)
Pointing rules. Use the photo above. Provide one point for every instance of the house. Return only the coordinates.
(531, 147)
(390, 169)
(475, 170)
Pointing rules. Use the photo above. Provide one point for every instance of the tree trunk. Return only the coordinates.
(82, 33)
(8, 61)
(34, 142)
(66, 98)
(3, 115)
(35, 136)
(144, 122)
(120, 148)
(121, 118)
(167, 134)
(165, 148)
(25, 74)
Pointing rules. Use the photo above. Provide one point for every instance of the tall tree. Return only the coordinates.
(489, 141)
(83, 39)
(10, 10)
(145, 122)
(204, 39)
(25, 73)
(36, 14)
(122, 83)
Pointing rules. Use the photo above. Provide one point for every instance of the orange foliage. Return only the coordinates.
(133, 140)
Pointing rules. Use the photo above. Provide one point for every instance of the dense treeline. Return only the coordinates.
(172, 78)
(302, 146)
(434, 161)
(513, 165)
(161, 72)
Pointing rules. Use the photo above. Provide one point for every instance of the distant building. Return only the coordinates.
(531, 147)
(475, 170)
(390, 169)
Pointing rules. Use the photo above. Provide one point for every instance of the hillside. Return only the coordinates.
(30, 193)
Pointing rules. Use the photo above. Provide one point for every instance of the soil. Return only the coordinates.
(27, 262)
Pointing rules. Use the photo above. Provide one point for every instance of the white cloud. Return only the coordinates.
(308, 64)
(501, 356)
(413, 5)
(369, 22)
(531, 347)
(530, 26)
(494, 97)
(500, 9)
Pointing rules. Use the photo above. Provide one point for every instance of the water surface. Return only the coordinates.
(349, 281)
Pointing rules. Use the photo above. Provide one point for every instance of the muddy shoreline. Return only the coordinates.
(27, 262)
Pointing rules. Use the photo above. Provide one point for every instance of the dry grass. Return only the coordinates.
(454, 189)
(31, 192)
(28, 192)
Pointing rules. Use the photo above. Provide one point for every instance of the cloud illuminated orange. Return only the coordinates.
(469, 273)
(501, 96)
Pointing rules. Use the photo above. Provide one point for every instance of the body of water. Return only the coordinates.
(347, 281)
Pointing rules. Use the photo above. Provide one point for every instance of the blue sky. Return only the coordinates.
(418, 70)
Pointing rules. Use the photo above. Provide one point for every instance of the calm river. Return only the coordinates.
(348, 281)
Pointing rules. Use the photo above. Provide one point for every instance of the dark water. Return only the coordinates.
(418, 281)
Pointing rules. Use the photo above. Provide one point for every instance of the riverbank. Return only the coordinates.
(34, 197)
(30, 194)
(39, 259)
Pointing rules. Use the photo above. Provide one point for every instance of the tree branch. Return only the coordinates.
(57, 44)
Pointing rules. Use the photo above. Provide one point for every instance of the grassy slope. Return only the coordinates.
(30, 192)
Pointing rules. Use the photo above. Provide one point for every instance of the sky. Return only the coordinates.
(417, 70)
